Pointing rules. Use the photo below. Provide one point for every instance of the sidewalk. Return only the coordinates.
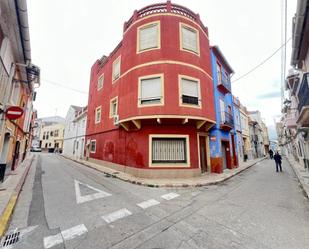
(9, 191)
(205, 179)
(301, 173)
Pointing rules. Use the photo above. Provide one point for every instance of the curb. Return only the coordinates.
(181, 185)
(300, 179)
(7, 213)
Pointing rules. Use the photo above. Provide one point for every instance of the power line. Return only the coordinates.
(66, 87)
(265, 60)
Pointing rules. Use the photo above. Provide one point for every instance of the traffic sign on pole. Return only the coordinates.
(14, 112)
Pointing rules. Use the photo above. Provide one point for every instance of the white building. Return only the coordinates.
(75, 130)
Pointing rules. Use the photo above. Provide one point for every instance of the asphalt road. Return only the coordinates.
(67, 205)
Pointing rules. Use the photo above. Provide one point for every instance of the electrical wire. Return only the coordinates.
(61, 85)
(263, 62)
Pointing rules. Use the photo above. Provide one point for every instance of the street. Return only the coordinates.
(67, 205)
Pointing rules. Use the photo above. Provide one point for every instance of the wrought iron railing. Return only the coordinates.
(227, 119)
(167, 7)
(224, 81)
(303, 93)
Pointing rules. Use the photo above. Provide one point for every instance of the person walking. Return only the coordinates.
(278, 161)
(271, 154)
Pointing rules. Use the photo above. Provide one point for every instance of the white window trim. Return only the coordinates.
(111, 107)
(95, 145)
(139, 104)
(113, 70)
(181, 76)
(169, 165)
(138, 50)
(95, 118)
(181, 24)
(100, 87)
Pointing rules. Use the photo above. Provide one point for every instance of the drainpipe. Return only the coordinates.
(22, 18)
(298, 24)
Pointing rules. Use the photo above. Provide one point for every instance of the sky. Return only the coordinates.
(67, 37)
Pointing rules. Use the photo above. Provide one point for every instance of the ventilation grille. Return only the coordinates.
(11, 239)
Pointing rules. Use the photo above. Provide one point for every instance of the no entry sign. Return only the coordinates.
(14, 112)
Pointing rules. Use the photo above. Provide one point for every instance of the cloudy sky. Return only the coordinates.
(68, 36)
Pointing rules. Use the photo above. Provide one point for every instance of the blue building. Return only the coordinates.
(238, 129)
(223, 153)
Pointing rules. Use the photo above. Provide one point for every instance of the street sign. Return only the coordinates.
(14, 112)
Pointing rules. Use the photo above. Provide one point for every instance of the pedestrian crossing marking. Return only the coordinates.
(121, 213)
(84, 198)
(147, 204)
(169, 196)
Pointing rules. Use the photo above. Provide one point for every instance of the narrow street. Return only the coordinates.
(68, 205)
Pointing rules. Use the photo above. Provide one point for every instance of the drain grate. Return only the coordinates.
(11, 239)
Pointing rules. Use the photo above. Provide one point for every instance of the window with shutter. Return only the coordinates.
(97, 115)
(190, 91)
(169, 150)
(149, 36)
(93, 146)
(113, 107)
(150, 90)
(116, 69)
(100, 82)
(189, 39)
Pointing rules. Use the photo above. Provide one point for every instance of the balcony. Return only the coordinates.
(227, 122)
(303, 102)
(224, 84)
(164, 8)
(291, 119)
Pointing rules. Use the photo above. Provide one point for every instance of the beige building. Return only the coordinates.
(51, 136)
(244, 120)
(18, 80)
(265, 138)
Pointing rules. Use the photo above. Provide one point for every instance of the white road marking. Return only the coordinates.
(74, 232)
(90, 197)
(53, 240)
(147, 204)
(68, 234)
(169, 196)
(121, 213)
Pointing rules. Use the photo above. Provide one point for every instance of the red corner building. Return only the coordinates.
(151, 100)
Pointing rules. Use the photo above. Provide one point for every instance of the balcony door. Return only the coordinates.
(222, 110)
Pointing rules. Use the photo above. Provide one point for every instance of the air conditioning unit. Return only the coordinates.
(116, 120)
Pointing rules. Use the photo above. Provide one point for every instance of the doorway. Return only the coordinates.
(224, 159)
(16, 155)
(203, 153)
(4, 152)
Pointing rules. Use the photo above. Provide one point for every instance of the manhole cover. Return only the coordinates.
(11, 239)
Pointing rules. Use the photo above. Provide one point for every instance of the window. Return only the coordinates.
(150, 90)
(168, 150)
(219, 73)
(97, 115)
(92, 146)
(100, 82)
(190, 91)
(56, 133)
(113, 107)
(148, 37)
(116, 69)
(222, 110)
(189, 38)
(51, 133)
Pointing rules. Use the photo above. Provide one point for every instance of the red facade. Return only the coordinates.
(127, 143)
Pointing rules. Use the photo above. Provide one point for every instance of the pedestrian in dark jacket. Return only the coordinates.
(271, 154)
(278, 161)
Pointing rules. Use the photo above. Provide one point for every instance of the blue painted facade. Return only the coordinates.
(223, 152)
(237, 129)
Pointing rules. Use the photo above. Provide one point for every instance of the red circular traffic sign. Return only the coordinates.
(14, 112)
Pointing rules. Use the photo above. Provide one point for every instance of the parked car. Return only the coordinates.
(35, 149)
